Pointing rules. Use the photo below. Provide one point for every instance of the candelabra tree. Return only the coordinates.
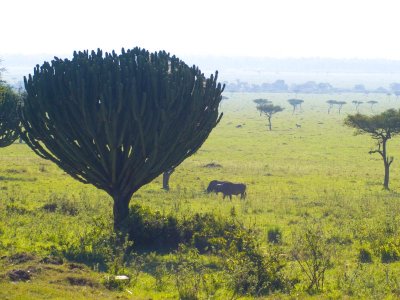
(9, 120)
(119, 121)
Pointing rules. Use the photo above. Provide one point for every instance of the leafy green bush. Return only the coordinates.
(365, 255)
(313, 253)
(274, 236)
(253, 272)
(390, 252)
(152, 231)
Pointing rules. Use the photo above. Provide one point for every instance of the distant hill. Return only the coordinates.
(344, 73)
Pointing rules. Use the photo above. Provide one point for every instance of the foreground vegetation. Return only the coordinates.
(316, 220)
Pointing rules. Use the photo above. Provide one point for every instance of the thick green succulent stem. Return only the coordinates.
(121, 213)
(9, 121)
(119, 121)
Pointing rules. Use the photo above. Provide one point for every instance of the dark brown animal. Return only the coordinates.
(212, 185)
(229, 189)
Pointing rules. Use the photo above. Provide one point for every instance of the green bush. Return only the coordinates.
(365, 255)
(253, 272)
(152, 231)
(390, 252)
(274, 236)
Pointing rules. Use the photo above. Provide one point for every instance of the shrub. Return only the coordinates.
(253, 272)
(62, 205)
(188, 273)
(313, 253)
(364, 255)
(151, 231)
(389, 252)
(274, 236)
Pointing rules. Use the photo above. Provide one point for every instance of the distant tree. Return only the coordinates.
(357, 104)
(269, 110)
(340, 105)
(324, 87)
(9, 120)
(359, 88)
(395, 88)
(381, 128)
(381, 90)
(117, 121)
(372, 103)
(331, 103)
(295, 103)
(279, 86)
(261, 101)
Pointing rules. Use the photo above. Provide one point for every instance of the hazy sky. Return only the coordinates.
(270, 28)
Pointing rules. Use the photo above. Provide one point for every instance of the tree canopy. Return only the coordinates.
(384, 124)
(9, 120)
(269, 110)
(119, 121)
(295, 103)
(261, 101)
(381, 128)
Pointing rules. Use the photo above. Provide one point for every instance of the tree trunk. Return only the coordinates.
(269, 124)
(386, 164)
(166, 175)
(121, 213)
(386, 180)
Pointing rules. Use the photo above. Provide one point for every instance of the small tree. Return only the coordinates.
(269, 110)
(357, 104)
(331, 103)
(295, 103)
(119, 121)
(340, 105)
(372, 103)
(261, 101)
(381, 128)
(9, 120)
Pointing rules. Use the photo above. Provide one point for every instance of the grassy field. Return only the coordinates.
(318, 178)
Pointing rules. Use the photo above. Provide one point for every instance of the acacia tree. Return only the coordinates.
(331, 103)
(357, 104)
(9, 120)
(372, 103)
(381, 128)
(261, 101)
(295, 103)
(269, 110)
(340, 105)
(119, 121)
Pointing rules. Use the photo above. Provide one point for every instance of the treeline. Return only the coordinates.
(280, 86)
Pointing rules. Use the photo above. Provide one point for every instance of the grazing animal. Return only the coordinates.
(212, 185)
(298, 125)
(229, 189)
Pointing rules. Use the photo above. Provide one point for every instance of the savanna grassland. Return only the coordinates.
(316, 187)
